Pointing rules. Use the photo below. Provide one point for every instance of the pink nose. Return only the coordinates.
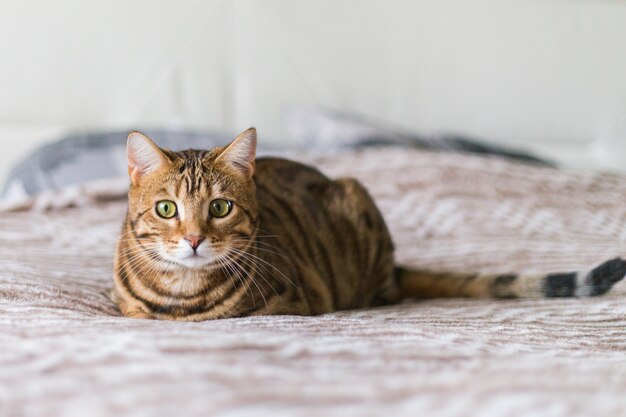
(194, 241)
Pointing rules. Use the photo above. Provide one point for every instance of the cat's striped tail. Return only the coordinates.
(425, 284)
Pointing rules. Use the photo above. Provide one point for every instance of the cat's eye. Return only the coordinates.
(220, 207)
(166, 209)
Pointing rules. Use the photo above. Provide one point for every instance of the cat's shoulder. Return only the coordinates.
(281, 168)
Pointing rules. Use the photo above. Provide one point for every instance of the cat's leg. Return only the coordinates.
(348, 200)
(129, 307)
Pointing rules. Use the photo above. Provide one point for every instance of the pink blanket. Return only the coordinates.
(64, 351)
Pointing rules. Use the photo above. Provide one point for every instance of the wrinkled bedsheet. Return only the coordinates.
(65, 351)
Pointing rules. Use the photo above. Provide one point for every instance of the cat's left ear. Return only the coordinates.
(144, 156)
(241, 152)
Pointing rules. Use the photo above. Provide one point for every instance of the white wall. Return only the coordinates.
(548, 74)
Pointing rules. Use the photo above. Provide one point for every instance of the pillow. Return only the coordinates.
(319, 128)
(70, 170)
(89, 158)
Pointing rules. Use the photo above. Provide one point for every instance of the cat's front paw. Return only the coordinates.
(137, 314)
(129, 308)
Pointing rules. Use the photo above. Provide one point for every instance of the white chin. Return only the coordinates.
(195, 261)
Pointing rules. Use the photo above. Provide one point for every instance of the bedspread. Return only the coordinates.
(65, 351)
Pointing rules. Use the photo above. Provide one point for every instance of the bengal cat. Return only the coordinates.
(219, 233)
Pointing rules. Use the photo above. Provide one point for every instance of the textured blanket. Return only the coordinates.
(65, 351)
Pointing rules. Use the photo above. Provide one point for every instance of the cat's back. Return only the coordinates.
(290, 184)
(330, 230)
(281, 173)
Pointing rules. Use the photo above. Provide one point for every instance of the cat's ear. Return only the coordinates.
(144, 156)
(241, 152)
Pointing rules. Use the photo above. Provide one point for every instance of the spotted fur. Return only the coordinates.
(295, 242)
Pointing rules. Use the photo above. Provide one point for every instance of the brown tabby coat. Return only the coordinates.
(295, 242)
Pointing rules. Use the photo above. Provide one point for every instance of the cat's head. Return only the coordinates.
(193, 208)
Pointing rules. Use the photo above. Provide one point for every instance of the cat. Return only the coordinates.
(218, 233)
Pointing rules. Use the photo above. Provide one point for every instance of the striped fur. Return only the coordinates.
(295, 242)
(597, 281)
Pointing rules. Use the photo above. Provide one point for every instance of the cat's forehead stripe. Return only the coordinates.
(192, 170)
(181, 188)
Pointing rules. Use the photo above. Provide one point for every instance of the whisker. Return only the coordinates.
(256, 269)
(268, 264)
(251, 278)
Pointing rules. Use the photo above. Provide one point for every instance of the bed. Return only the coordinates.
(65, 351)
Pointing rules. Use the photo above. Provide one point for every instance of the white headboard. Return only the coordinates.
(547, 74)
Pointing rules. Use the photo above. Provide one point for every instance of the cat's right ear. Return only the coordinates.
(144, 156)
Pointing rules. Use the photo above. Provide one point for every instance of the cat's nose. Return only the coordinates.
(194, 241)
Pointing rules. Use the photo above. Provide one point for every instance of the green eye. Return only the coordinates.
(166, 209)
(220, 208)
